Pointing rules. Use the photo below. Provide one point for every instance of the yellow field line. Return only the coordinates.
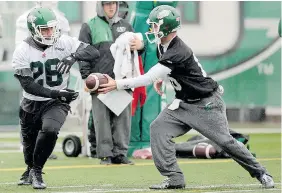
(137, 164)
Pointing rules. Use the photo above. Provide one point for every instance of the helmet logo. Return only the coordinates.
(31, 18)
(163, 13)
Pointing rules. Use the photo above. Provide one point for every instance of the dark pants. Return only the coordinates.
(40, 132)
(112, 132)
(92, 135)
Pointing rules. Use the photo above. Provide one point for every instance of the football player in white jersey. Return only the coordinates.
(46, 99)
(22, 31)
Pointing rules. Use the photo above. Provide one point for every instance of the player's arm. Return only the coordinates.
(27, 82)
(82, 52)
(86, 53)
(85, 36)
(157, 72)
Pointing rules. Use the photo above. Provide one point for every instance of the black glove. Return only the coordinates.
(66, 96)
(65, 64)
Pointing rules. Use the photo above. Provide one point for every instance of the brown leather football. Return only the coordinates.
(94, 80)
(204, 150)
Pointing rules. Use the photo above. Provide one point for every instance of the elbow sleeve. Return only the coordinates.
(34, 88)
(88, 53)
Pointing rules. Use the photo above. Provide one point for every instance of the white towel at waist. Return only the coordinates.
(126, 62)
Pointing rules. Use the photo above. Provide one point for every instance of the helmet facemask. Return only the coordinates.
(163, 20)
(154, 35)
(46, 39)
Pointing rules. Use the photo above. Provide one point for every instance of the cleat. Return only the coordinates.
(24, 180)
(166, 185)
(266, 181)
(36, 179)
(121, 159)
(106, 161)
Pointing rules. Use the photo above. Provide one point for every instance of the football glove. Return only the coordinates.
(66, 96)
(65, 64)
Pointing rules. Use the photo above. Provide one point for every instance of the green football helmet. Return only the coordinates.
(42, 18)
(163, 20)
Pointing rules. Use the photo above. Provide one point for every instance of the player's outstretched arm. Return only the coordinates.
(85, 52)
(31, 87)
(157, 72)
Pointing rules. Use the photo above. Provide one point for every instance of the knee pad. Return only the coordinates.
(49, 134)
(50, 130)
(51, 126)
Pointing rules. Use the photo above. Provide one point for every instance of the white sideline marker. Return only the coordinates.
(226, 191)
(95, 190)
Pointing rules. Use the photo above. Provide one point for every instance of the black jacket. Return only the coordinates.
(105, 63)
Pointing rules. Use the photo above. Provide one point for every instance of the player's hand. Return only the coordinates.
(136, 44)
(67, 95)
(158, 87)
(111, 85)
(65, 64)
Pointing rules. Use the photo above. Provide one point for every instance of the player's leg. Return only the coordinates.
(52, 121)
(209, 118)
(103, 130)
(121, 136)
(162, 130)
(29, 133)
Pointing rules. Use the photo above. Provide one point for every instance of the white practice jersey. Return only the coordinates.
(43, 64)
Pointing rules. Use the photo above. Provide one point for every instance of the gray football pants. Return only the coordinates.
(112, 132)
(210, 122)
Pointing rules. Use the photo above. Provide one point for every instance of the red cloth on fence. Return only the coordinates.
(139, 94)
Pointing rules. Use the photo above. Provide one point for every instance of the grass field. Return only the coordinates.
(85, 175)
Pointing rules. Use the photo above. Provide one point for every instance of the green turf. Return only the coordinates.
(17, 140)
(16, 143)
(88, 176)
(254, 125)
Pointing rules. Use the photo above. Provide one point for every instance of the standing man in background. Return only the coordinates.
(91, 129)
(113, 132)
(22, 31)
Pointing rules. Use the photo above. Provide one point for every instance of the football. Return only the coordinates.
(94, 80)
(204, 150)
